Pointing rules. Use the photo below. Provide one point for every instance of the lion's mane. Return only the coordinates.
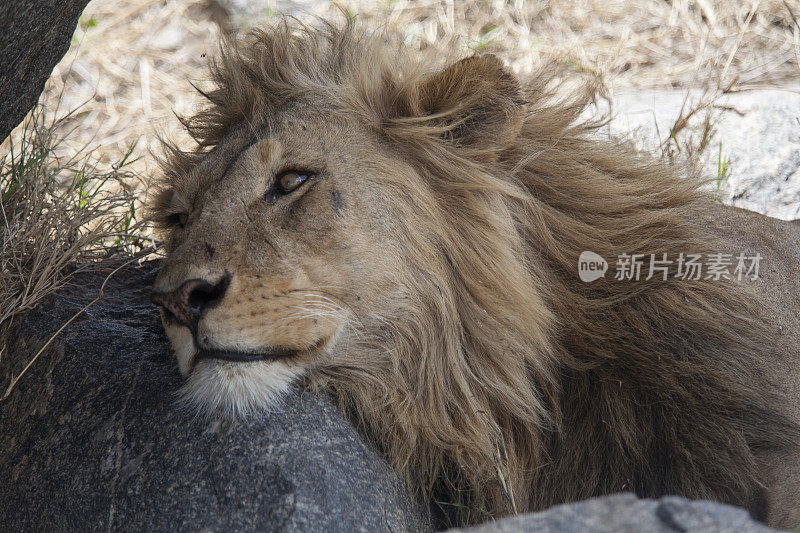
(506, 383)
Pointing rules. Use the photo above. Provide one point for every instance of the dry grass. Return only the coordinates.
(642, 43)
(58, 216)
(128, 70)
(54, 211)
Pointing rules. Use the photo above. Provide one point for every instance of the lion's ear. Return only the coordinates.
(477, 100)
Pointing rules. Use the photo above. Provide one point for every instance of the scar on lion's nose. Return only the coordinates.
(187, 303)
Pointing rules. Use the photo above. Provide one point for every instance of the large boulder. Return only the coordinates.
(625, 512)
(34, 36)
(91, 437)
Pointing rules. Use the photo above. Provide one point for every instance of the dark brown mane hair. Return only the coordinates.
(521, 386)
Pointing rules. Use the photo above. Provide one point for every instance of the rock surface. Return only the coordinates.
(757, 131)
(34, 36)
(91, 437)
(625, 512)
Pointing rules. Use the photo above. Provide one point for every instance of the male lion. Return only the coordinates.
(408, 240)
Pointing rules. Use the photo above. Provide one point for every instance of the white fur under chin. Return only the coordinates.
(232, 389)
(238, 390)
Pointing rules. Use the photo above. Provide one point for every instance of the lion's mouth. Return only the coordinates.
(273, 354)
(244, 357)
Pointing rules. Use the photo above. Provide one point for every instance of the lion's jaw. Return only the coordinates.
(236, 389)
(233, 388)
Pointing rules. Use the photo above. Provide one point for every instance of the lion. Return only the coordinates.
(406, 236)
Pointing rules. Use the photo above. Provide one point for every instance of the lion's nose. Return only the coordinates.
(187, 303)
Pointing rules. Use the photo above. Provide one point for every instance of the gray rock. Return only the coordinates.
(625, 512)
(34, 36)
(759, 133)
(91, 437)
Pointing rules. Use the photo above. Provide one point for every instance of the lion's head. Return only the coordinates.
(406, 237)
(307, 234)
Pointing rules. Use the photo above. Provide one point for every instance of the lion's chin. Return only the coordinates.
(238, 389)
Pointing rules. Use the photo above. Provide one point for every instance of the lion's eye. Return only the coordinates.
(183, 218)
(289, 181)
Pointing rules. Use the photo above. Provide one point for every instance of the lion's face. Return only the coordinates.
(319, 239)
(279, 246)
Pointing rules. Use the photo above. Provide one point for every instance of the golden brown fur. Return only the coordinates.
(464, 345)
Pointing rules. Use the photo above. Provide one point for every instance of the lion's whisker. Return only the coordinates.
(315, 308)
(318, 289)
